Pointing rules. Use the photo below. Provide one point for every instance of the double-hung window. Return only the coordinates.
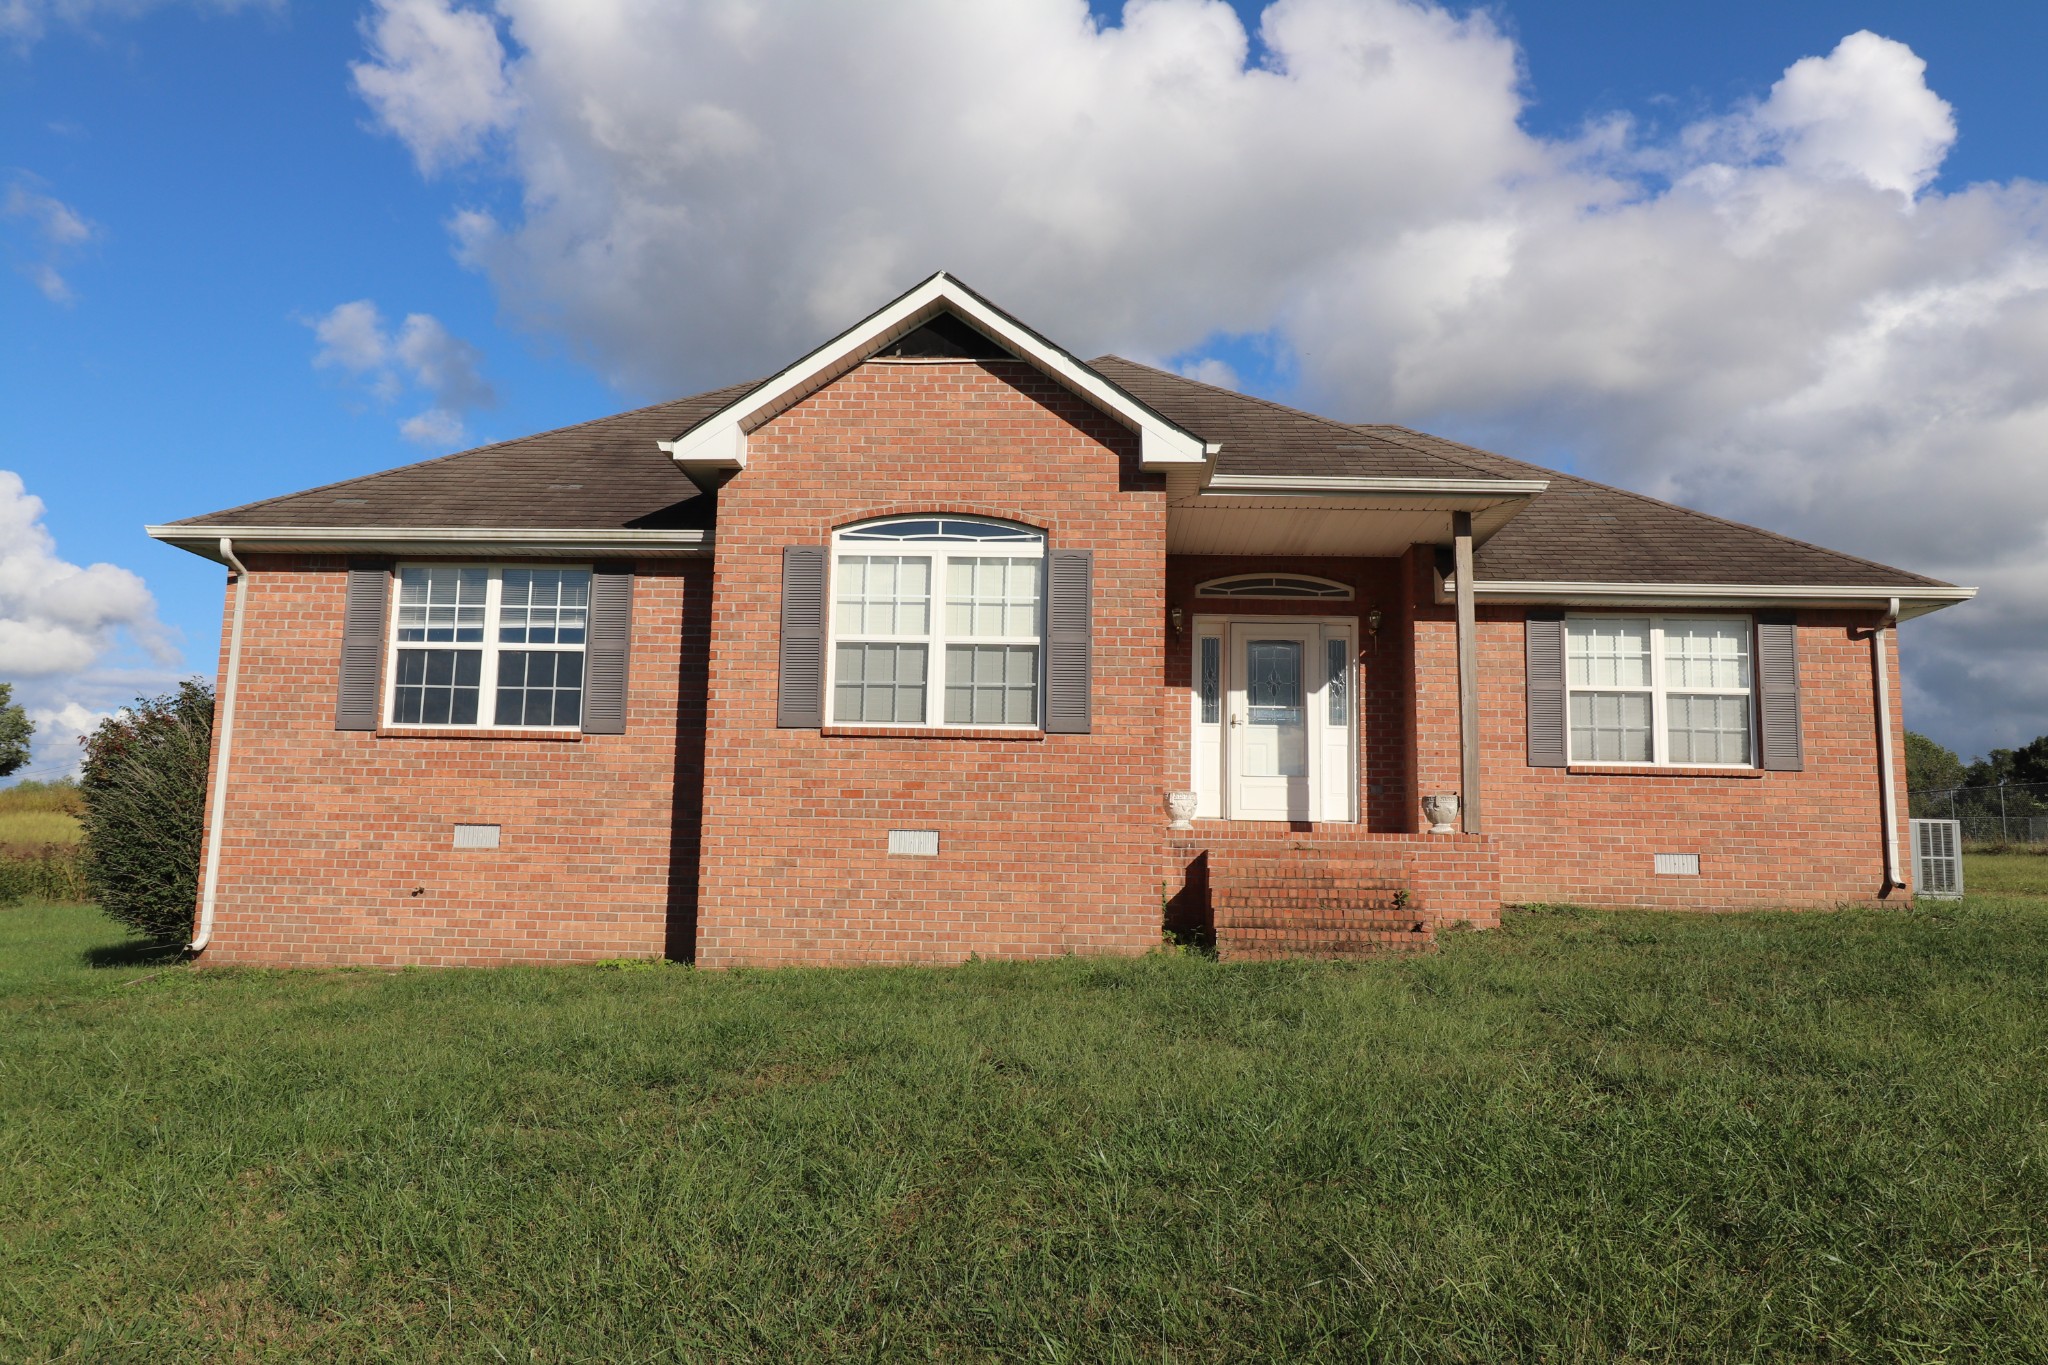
(1665, 690)
(936, 622)
(473, 645)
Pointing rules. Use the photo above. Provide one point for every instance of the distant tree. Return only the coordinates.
(2030, 761)
(144, 784)
(1992, 770)
(15, 728)
(1929, 767)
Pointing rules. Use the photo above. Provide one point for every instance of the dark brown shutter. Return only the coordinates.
(606, 649)
(800, 694)
(1777, 676)
(1069, 665)
(362, 645)
(1543, 637)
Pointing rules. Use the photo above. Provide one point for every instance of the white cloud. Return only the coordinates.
(422, 353)
(436, 78)
(67, 633)
(1774, 313)
(53, 230)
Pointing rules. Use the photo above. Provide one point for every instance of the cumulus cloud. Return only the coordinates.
(75, 641)
(1774, 313)
(50, 230)
(421, 354)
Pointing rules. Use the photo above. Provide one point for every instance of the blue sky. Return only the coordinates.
(229, 185)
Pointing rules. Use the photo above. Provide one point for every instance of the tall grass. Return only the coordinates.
(61, 797)
(1587, 1137)
(39, 834)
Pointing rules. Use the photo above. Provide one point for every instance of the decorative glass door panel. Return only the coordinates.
(1269, 723)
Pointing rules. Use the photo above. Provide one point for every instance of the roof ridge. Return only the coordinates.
(1842, 555)
(205, 517)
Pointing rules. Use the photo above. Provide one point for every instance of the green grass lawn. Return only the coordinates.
(1587, 1137)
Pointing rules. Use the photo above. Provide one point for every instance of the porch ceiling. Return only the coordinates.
(1338, 526)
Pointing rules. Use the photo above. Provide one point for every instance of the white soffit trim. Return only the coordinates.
(1314, 484)
(1912, 601)
(720, 440)
(435, 540)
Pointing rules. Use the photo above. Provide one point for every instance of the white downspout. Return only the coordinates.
(1888, 790)
(224, 723)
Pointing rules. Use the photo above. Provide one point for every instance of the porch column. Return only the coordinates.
(1468, 676)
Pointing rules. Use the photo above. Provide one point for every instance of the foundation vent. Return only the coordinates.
(1678, 864)
(476, 836)
(914, 843)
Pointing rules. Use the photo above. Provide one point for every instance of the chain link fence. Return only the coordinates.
(2011, 813)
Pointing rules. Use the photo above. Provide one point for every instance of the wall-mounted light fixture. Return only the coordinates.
(1175, 616)
(1372, 620)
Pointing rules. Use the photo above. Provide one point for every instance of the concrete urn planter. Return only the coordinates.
(1442, 810)
(1180, 810)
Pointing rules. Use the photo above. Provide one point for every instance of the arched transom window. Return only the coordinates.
(1275, 585)
(936, 621)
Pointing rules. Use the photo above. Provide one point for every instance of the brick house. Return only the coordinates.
(902, 653)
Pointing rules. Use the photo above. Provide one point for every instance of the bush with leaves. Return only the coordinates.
(144, 783)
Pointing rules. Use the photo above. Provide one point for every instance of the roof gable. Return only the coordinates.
(941, 311)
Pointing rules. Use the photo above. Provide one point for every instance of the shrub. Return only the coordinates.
(144, 784)
(41, 873)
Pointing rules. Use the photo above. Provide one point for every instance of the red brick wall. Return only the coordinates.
(1047, 845)
(1805, 838)
(338, 843)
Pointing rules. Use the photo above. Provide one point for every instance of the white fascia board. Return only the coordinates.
(719, 441)
(1912, 601)
(205, 540)
(1501, 490)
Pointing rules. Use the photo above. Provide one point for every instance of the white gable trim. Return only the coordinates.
(719, 442)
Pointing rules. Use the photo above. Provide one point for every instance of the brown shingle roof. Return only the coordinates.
(1259, 437)
(597, 475)
(609, 473)
(1579, 531)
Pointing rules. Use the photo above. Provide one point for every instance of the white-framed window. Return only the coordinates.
(936, 621)
(1677, 690)
(497, 647)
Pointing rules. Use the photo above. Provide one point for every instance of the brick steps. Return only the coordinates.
(1302, 901)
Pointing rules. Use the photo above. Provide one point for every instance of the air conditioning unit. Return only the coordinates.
(1938, 858)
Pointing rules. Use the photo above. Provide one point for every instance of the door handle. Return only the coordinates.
(1236, 719)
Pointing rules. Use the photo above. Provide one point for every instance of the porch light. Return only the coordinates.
(1372, 620)
(1175, 616)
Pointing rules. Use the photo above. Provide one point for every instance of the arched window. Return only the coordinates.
(936, 621)
(1276, 586)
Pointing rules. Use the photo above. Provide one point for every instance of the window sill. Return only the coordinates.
(477, 732)
(1655, 770)
(924, 732)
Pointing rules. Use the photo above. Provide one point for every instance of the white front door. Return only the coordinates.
(1274, 716)
(1269, 758)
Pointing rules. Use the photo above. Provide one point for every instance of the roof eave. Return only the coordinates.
(1911, 599)
(498, 542)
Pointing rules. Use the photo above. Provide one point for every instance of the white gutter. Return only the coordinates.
(1903, 604)
(224, 726)
(1888, 791)
(438, 539)
(1331, 483)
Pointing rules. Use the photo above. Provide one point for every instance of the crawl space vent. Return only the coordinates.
(476, 836)
(914, 843)
(1678, 864)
